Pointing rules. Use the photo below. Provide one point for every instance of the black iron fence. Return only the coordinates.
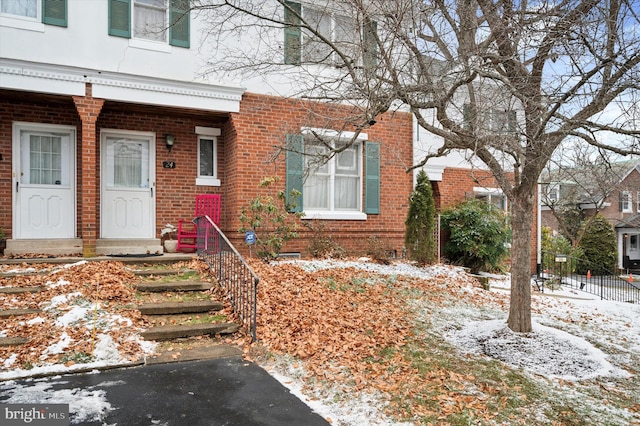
(560, 270)
(233, 273)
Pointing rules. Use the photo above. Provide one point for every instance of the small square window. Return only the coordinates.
(207, 161)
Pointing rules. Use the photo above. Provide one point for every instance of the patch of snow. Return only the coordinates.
(59, 347)
(546, 351)
(60, 283)
(62, 299)
(106, 350)
(85, 405)
(36, 320)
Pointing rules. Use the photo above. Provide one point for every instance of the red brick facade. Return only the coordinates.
(247, 151)
(457, 184)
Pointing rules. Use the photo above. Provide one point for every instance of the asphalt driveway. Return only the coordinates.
(225, 391)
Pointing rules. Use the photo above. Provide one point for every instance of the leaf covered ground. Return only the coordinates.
(371, 344)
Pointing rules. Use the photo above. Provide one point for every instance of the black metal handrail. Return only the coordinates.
(577, 273)
(233, 273)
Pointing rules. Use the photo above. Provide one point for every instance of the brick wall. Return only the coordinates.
(457, 183)
(260, 128)
(247, 152)
(59, 111)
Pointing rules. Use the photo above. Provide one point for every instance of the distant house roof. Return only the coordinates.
(588, 179)
(630, 222)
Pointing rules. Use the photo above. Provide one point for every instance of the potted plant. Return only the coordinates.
(169, 234)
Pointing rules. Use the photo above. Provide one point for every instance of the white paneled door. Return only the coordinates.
(43, 182)
(128, 176)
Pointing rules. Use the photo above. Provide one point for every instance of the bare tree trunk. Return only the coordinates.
(522, 209)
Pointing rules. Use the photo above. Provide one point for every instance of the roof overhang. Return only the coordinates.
(71, 81)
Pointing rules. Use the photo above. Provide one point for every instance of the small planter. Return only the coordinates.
(171, 246)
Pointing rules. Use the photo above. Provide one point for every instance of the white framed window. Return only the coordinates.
(633, 242)
(356, 41)
(23, 14)
(493, 196)
(150, 20)
(29, 9)
(332, 187)
(626, 202)
(207, 156)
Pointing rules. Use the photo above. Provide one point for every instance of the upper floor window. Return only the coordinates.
(24, 8)
(164, 21)
(305, 46)
(207, 156)
(492, 120)
(51, 12)
(331, 184)
(626, 202)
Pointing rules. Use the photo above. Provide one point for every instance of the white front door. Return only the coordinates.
(128, 177)
(43, 181)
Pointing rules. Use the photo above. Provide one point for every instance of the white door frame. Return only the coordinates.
(148, 218)
(19, 217)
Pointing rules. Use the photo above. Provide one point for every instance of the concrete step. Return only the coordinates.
(193, 354)
(159, 272)
(172, 308)
(128, 247)
(20, 290)
(178, 331)
(158, 287)
(12, 341)
(52, 246)
(7, 313)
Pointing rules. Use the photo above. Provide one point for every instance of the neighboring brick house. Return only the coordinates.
(456, 178)
(89, 102)
(614, 195)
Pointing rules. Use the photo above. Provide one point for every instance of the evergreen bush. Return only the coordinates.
(420, 224)
(478, 235)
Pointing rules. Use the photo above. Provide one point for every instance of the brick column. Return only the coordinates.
(89, 109)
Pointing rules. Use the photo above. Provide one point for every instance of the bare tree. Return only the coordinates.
(578, 183)
(505, 81)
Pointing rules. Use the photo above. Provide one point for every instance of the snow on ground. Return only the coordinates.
(569, 328)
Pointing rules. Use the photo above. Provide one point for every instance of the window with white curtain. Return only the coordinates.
(150, 19)
(24, 8)
(333, 183)
(45, 159)
(127, 162)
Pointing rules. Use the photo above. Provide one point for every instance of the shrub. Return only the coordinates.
(420, 224)
(598, 246)
(478, 233)
(321, 244)
(380, 250)
(268, 216)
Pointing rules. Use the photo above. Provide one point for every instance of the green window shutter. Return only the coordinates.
(120, 18)
(292, 34)
(54, 12)
(372, 179)
(179, 23)
(295, 169)
(512, 122)
(466, 116)
(369, 31)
